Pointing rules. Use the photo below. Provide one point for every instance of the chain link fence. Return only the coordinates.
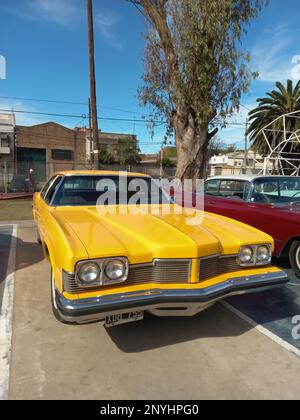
(31, 176)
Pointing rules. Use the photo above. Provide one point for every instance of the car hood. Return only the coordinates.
(143, 236)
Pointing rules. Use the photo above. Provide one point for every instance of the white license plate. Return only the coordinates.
(118, 319)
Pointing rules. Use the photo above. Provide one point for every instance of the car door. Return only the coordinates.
(227, 198)
(43, 208)
(258, 215)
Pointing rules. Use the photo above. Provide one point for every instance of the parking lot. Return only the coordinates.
(216, 354)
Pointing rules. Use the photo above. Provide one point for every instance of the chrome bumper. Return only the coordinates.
(173, 302)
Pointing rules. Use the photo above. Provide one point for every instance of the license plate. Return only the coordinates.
(118, 319)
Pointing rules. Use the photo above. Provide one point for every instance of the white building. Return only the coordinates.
(7, 148)
(236, 163)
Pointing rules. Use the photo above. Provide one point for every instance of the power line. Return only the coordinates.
(43, 100)
(83, 116)
(16, 98)
(243, 106)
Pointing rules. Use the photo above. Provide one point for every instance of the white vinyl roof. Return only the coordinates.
(249, 178)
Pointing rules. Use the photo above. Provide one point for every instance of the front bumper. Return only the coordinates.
(161, 302)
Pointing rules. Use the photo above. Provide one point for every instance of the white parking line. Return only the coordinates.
(262, 330)
(6, 317)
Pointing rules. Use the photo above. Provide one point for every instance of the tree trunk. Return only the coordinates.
(192, 141)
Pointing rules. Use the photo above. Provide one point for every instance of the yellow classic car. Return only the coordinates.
(111, 264)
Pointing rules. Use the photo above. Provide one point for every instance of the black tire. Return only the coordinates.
(53, 304)
(294, 256)
(38, 238)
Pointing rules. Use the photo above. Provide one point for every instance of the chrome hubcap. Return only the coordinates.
(297, 257)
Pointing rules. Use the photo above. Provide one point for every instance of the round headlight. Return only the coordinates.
(89, 273)
(263, 254)
(115, 269)
(246, 255)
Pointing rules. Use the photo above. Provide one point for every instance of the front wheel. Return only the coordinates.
(295, 257)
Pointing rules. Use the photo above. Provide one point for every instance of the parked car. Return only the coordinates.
(268, 203)
(19, 183)
(113, 266)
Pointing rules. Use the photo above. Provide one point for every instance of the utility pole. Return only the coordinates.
(93, 99)
(246, 148)
(161, 171)
(90, 137)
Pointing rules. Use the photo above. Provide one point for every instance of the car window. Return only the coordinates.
(52, 190)
(236, 189)
(80, 190)
(276, 191)
(80, 183)
(46, 187)
(212, 187)
(290, 188)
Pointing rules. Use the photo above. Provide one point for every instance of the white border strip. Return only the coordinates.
(6, 318)
(262, 330)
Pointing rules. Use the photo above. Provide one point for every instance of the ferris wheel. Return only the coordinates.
(279, 159)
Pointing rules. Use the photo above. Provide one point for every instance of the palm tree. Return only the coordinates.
(279, 102)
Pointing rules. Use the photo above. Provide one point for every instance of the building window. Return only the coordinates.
(4, 141)
(58, 154)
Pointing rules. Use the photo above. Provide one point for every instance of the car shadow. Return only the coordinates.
(28, 254)
(275, 305)
(32, 253)
(157, 332)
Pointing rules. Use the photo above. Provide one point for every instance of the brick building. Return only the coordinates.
(49, 147)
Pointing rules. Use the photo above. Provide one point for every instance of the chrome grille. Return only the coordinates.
(160, 271)
(215, 266)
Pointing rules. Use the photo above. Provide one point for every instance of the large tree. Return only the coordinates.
(280, 101)
(195, 70)
(127, 152)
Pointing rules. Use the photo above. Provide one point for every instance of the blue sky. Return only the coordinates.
(45, 46)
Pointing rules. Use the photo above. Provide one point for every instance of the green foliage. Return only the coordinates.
(127, 152)
(217, 146)
(193, 63)
(106, 158)
(283, 100)
(231, 148)
(166, 162)
(170, 152)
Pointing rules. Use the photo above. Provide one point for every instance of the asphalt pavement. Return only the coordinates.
(274, 309)
(213, 355)
(5, 244)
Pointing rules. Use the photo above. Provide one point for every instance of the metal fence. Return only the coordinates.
(31, 176)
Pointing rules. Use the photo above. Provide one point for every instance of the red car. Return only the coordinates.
(268, 203)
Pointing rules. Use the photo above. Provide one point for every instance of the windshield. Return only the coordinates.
(277, 191)
(109, 190)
